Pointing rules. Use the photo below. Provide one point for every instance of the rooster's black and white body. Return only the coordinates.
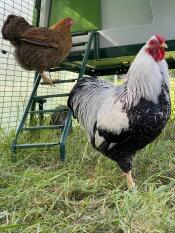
(122, 119)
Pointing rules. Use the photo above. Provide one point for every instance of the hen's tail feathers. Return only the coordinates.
(5, 28)
(13, 27)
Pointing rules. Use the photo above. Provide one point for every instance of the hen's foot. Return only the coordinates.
(46, 80)
(129, 179)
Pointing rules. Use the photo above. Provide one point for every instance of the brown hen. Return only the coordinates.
(38, 48)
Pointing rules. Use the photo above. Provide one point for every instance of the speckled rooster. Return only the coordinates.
(122, 119)
(38, 48)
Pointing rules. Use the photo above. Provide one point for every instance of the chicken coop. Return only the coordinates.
(105, 40)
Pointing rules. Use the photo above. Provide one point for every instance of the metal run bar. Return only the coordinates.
(96, 46)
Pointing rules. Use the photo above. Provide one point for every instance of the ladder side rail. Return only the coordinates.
(69, 117)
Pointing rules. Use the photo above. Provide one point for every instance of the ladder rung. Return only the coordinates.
(43, 127)
(45, 144)
(64, 81)
(59, 80)
(51, 96)
(49, 110)
(79, 44)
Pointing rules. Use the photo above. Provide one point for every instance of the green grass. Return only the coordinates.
(87, 193)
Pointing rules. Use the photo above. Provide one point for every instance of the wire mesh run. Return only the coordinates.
(15, 83)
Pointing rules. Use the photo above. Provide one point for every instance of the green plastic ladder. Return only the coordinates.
(30, 109)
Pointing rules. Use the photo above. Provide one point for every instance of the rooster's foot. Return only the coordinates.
(129, 179)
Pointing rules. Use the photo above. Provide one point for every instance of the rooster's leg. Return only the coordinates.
(129, 179)
(46, 80)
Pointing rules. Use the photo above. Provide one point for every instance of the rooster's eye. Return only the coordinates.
(153, 43)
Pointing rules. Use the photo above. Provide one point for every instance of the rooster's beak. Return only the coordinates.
(164, 45)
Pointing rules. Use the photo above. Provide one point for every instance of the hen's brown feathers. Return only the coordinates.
(37, 48)
(41, 36)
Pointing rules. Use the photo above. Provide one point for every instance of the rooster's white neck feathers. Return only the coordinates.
(144, 78)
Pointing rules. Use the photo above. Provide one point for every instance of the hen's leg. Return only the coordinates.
(129, 180)
(46, 80)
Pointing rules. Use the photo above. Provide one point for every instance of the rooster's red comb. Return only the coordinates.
(160, 38)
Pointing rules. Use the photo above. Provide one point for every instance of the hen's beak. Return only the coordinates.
(164, 45)
(71, 22)
(54, 26)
